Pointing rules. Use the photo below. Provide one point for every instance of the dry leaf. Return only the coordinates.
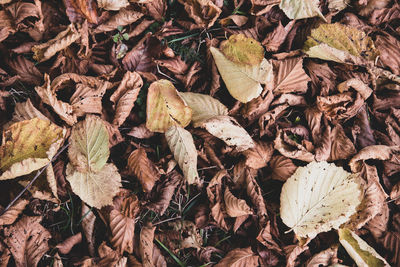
(203, 12)
(146, 245)
(282, 168)
(88, 227)
(114, 5)
(235, 207)
(43, 52)
(324, 258)
(290, 76)
(182, 146)
(165, 107)
(319, 197)
(301, 9)
(66, 246)
(203, 107)
(27, 241)
(122, 18)
(379, 152)
(28, 146)
(11, 215)
(229, 130)
(259, 156)
(87, 99)
(143, 168)
(239, 257)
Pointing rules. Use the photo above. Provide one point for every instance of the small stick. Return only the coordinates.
(166, 220)
(34, 179)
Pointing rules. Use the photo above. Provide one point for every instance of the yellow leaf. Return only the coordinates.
(242, 50)
(243, 81)
(43, 52)
(165, 107)
(28, 146)
(340, 43)
(182, 146)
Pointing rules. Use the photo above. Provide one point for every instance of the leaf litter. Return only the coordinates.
(199, 133)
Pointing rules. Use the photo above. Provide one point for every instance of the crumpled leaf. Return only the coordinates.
(45, 51)
(324, 258)
(11, 215)
(244, 76)
(379, 152)
(66, 246)
(113, 5)
(122, 18)
(165, 107)
(319, 197)
(27, 241)
(182, 146)
(290, 76)
(181, 235)
(143, 168)
(79, 9)
(87, 99)
(146, 245)
(125, 96)
(359, 250)
(301, 9)
(215, 196)
(26, 111)
(340, 43)
(91, 178)
(259, 156)
(28, 146)
(235, 207)
(203, 12)
(122, 221)
(239, 257)
(229, 130)
(282, 168)
(290, 148)
(203, 107)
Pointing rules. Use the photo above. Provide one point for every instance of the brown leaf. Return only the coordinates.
(124, 17)
(125, 96)
(88, 227)
(158, 258)
(5, 255)
(122, 221)
(25, 69)
(86, 8)
(235, 207)
(204, 13)
(274, 39)
(282, 168)
(292, 252)
(164, 192)
(21, 10)
(214, 193)
(86, 100)
(379, 152)
(45, 51)
(389, 55)
(393, 125)
(239, 257)
(109, 257)
(291, 149)
(27, 241)
(265, 237)
(342, 147)
(259, 156)
(141, 132)
(146, 245)
(11, 215)
(362, 129)
(66, 246)
(391, 241)
(156, 9)
(255, 194)
(143, 168)
(324, 258)
(6, 25)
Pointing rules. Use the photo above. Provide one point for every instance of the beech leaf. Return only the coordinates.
(165, 107)
(362, 253)
(239, 257)
(182, 146)
(301, 9)
(113, 5)
(235, 207)
(28, 146)
(319, 197)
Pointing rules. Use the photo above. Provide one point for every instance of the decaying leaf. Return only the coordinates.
(239, 257)
(143, 168)
(43, 52)
(243, 76)
(230, 131)
(259, 156)
(165, 107)
(235, 207)
(28, 146)
(124, 17)
(146, 245)
(301, 9)
(203, 12)
(203, 107)
(290, 76)
(66, 246)
(182, 146)
(319, 197)
(27, 240)
(282, 168)
(340, 43)
(11, 215)
(114, 5)
(93, 179)
(359, 250)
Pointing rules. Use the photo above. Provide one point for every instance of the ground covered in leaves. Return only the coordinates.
(199, 133)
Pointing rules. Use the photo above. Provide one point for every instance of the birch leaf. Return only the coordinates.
(182, 146)
(242, 73)
(28, 146)
(229, 130)
(165, 107)
(340, 43)
(203, 107)
(362, 253)
(295, 9)
(319, 197)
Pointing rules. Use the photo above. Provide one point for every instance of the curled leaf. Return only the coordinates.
(114, 5)
(239, 257)
(319, 197)
(301, 9)
(235, 207)
(146, 245)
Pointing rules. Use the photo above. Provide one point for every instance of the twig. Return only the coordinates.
(34, 179)
(167, 220)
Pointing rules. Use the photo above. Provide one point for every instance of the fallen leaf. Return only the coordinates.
(124, 17)
(165, 107)
(327, 204)
(235, 207)
(239, 257)
(259, 156)
(27, 240)
(182, 146)
(28, 146)
(146, 245)
(301, 9)
(359, 250)
(324, 258)
(113, 5)
(282, 168)
(143, 168)
(66, 246)
(290, 76)
(203, 12)
(379, 152)
(11, 215)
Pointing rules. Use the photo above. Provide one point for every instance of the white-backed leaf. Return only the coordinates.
(319, 197)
